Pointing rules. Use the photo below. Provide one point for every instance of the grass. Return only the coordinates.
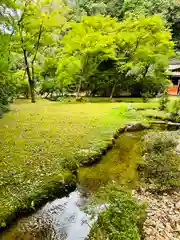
(102, 99)
(151, 108)
(37, 140)
(156, 114)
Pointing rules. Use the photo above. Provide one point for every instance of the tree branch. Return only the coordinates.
(22, 16)
(146, 70)
(38, 41)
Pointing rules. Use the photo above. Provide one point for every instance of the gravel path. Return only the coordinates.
(163, 215)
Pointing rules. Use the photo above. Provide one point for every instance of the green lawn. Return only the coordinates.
(37, 140)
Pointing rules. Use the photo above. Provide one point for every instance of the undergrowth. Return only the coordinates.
(161, 168)
(121, 217)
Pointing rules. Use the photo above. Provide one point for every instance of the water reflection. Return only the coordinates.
(58, 220)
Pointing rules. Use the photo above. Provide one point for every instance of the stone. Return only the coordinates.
(135, 127)
(178, 206)
(178, 149)
(163, 217)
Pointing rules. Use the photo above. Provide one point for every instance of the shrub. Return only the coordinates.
(3, 109)
(161, 168)
(122, 218)
(175, 113)
(163, 101)
(160, 142)
(22, 89)
(7, 92)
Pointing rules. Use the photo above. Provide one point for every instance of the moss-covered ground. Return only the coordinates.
(38, 140)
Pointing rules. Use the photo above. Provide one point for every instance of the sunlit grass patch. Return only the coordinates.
(37, 140)
(40, 142)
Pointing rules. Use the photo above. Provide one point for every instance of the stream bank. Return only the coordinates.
(64, 218)
(163, 214)
(57, 189)
(160, 185)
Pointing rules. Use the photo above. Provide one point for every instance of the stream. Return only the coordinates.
(65, 219)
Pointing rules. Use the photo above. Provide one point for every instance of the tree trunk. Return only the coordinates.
(32, 86)
(47, 94)
(146, 70)
(113, 89)
(79, 88)
(30, 80)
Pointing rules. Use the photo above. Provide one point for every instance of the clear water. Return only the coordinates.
(57, 220)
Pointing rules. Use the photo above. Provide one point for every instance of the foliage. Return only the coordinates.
(121, 217)
(168, 9)
(176, 106)
(7, 86)
(21, 82)
(85, 47)
(64, 51)
(35, 26)
(162, 165)
(87, 7)
(163, 101)
(49, 85)
(175, 112)
(104, 54)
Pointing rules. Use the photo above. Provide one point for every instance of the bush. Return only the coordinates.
(162, 164)
(163, 101)
(175, 113)
(3, 109)
(7, 92)
(121, 219)
(22, 89)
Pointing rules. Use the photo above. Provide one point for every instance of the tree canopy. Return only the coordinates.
(169, 10)
(100, 47)
(136, 52)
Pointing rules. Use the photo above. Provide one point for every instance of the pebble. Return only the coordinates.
(178, 206)
(163, 215)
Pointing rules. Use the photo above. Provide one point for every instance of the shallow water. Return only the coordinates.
(60, 219)
(118, 165)
(64, 219)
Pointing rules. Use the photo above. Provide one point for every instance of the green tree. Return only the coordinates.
(21, 82)
(133, 52)
(146, 46)
(169, 10)
(37, 25)
(86, 45)
(49, 84)
(7, 86)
